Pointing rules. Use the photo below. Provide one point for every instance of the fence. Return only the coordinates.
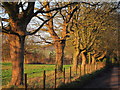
(54, 79)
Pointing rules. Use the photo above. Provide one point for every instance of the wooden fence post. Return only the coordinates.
(55, 77)
(25, 81)
(84, 69)
(98, 66)
(80, 69)
(70, 74)
(90, 69)
(44, 77)
(64, 75)
(76, 70)
(94, 67)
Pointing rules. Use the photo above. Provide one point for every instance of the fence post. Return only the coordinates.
(99, 66)
(64, 75)
(25, 81)
(84, 69)
(90, 68)
(76, 70)
(95, 67)
(70, 74)
(44, 77)
(55, 76)
(80, 69)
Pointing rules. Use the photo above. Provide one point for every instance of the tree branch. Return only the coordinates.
(71, 14)
(7, 30)
(5, 19)
(54, 9)
(102, 56)
(28, 12)
(10, 10)
(21, 5)
(4, 30)
(35, 31)
(62, 15)
(43, 39)
(40, 18)
(30, 8)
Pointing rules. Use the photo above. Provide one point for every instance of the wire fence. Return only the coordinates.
(54, 79)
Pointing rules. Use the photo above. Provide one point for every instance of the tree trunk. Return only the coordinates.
(83, 58)
(17, 58)
(89, 57)
(59, 47)
(76, 58)
(93, 59)
(77, 49)
(102, 56)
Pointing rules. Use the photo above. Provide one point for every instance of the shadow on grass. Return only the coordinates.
(83, 80)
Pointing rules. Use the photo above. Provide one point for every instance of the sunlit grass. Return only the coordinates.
(32, 70)
(35, 74)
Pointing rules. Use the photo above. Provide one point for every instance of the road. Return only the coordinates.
(109, 79)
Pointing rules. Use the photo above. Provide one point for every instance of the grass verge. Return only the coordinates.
(83, 80)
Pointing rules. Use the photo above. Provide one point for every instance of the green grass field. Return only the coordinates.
(33, 71)
(35, 74)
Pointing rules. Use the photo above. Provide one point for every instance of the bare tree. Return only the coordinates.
(19, 16)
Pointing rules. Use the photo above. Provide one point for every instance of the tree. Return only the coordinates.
(60, 40)
(86, 26)
(84, 29)
(19, 16)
